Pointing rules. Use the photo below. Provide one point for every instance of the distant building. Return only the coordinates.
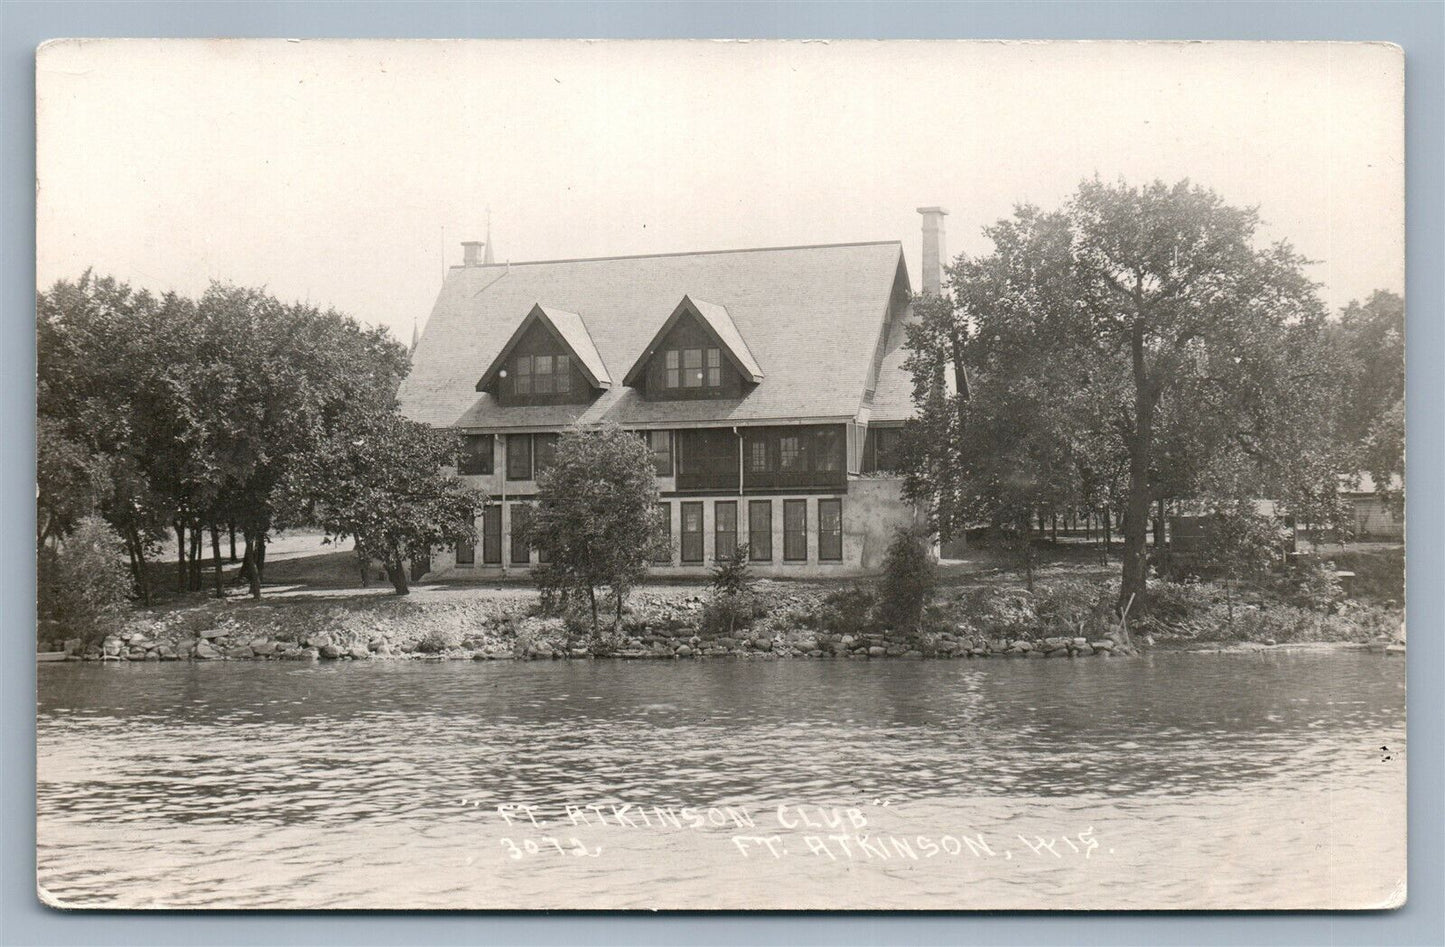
(1372, 516)
(769, 384)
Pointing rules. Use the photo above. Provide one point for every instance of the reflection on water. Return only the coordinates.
(266, 784)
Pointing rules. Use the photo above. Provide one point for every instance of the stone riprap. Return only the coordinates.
(657, 625)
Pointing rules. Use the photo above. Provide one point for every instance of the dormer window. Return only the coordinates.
(541, 375)
(698, 353)
(693, 368)
(550, 359)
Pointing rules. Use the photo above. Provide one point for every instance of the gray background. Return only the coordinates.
(1418, 27)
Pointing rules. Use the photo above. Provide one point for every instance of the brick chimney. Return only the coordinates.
(472, 252)
(933, 251)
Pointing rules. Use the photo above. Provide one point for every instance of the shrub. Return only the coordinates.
(847, 611)
(1318, 587)
(724, 614)
(909, 575)
(437, 640)
(732, 575)
(84, 585)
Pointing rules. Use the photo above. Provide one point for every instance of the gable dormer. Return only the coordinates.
(549, 359)
(698, 354)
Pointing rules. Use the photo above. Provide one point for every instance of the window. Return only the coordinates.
(492, 536)
(542, 374)
(714, 368)
(466, 554)
(522, 375)
(661, 444)
(662, 554)
(519, 457)
(692, 368)
(692, 532)
(830, 530)
(760, 530)
(521, 552)
(758, 455)
(795, 530)
(476, 455)
(791, 455)
(544, 451)
(563, 375)
(725, 529)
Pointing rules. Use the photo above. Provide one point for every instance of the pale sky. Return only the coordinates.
(329, 171)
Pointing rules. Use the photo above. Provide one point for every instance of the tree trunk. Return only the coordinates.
(1054, 526)
(260, 555)
(216, 560)
(248, 566)
(180, 556)
(232, 528)
(592, 597)
(138, 562)
(195, 581)
(1138, 499)
(617, 619)
(396, 572)
(1107, 532)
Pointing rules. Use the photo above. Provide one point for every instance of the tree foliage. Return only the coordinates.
(909, 575)
(82, 583)
(1134, 345)
(172, 415)
(382, 483)
(595, 522)
(1371, 338)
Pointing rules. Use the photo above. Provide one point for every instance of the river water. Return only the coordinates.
(1270, 780)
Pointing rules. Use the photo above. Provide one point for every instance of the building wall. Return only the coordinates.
(872, 509)
(1373, 519)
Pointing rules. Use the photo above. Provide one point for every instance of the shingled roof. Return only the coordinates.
(811, 315)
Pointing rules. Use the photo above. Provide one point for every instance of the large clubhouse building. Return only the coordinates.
(768, 382)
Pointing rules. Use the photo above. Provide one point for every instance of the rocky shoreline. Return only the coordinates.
(792, 620)
(657, 625)
(539, 642)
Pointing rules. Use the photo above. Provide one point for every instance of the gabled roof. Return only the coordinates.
(569, 329)
(811, 315)
(718, 323)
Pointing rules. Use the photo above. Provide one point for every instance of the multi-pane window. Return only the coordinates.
(492, 536)
(760, 530)
(662, 552)
(521, 517)
(466, 553)
(476, 455)
(544, 451)
(692, 368)
(791, 455)
(757, 456)
(830, 530)
(661, 444)
(795, 530)
(725, 529)
(692, 532)
(519, 457)
(542, 374)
